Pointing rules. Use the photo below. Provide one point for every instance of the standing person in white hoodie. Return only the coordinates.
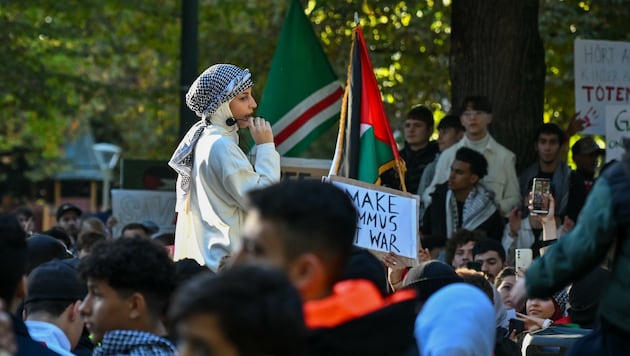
(214, 173)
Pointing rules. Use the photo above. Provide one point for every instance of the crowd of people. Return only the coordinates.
(264, 266)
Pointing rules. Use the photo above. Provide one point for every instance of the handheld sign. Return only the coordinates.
(602, 78)
(617, 128)
(129, 205)
(388, 218)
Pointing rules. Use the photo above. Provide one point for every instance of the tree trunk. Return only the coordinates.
(496, 51)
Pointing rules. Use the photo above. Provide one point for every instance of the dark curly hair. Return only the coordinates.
(133, 265)
(478, 163)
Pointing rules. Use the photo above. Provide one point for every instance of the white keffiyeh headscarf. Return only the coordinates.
(217, 85)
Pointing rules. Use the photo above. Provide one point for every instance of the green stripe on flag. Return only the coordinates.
(299, 68)
(375, 157)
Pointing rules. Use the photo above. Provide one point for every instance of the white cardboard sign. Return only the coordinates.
(602, 78)
(388, 218)
(131, 205)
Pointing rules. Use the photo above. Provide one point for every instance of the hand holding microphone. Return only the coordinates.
(260, 130)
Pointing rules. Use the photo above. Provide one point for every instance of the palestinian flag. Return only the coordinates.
(302, 96)
(365, 145)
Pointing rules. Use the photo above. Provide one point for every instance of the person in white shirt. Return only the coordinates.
(214, 173)
(476, 115)
(51, 307)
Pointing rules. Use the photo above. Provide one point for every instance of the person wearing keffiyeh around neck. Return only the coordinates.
(214, 174)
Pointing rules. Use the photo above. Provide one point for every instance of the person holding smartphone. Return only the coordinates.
(214, 174)
(604, 222)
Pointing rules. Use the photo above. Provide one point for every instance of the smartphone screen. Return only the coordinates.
(540, 195)
(523, 258)
(518, 325)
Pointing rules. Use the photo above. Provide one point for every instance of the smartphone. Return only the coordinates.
(541, 188)
(523, 258)
(516, 324)
(474, 265)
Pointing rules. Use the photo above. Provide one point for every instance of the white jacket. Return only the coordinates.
(210, 225)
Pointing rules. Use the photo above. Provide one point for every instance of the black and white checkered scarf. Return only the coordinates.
(217, 85)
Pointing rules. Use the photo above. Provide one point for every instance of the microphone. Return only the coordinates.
(230, 121)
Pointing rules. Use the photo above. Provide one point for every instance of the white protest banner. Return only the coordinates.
(130, 205)
(388, 218)
(602, 78)
(617, 128)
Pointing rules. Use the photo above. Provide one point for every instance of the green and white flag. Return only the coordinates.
(302, 96)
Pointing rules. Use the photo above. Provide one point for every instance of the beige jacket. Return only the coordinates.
(501, 178)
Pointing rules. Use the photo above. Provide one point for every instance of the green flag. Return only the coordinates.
(302, 96)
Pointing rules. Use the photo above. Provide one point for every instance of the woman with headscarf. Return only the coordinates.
(214, 174)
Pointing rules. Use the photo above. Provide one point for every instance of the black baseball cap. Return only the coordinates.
(65, 207)
(56, 280)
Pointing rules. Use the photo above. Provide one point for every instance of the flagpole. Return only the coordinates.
(334, 167)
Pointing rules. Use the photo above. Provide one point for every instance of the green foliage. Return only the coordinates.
(561, 22)
(110, 66)
(113, 65)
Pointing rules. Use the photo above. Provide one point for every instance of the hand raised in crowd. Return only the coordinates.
(532, 323)
(575, 125)
(395, 268)
(543, 218)
(393, 261)
(515, 219)
(260, 130)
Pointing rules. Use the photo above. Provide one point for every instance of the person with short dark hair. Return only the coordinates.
(462, 202)
(491, 255)
(51, 308)
(129, 284)
(476, 116)
(586, 155)
(68, 218)
(565, 183)
(12, 283)
(245, 310)
(135, 230)
(418, 151)
(307, 228)
(459, 248)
